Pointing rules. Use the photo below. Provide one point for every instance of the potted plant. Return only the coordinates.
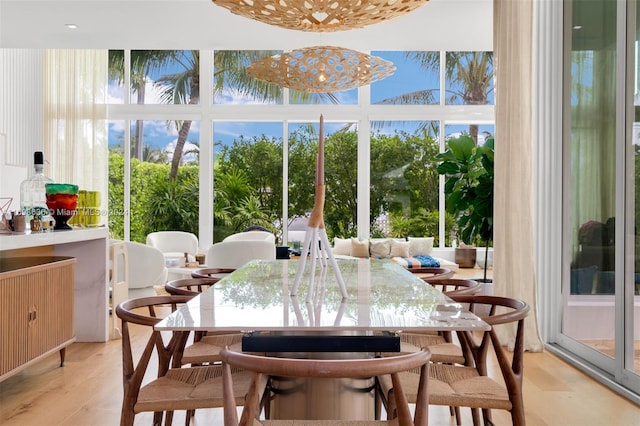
(468, 189)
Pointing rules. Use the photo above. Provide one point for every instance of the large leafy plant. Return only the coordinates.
(468, 188)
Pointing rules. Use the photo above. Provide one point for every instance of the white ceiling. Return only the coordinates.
(461, 25)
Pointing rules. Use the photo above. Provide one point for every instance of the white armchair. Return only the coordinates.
(146, 269)
(237, 249)
(174, 243)
(252, 236)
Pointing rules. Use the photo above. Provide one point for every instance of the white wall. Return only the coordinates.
(21, 106)
(457, 25)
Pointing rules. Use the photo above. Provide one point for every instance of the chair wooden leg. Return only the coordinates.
(391, 406)
(190, 414)
(517, 412)
(157, 418)
(486, 415)
(168, 420)
(456, 413)
(475, 415)
(127, 417)
(63, 351)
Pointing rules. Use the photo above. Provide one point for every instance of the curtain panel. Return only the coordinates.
(514, 263)
(75, 119)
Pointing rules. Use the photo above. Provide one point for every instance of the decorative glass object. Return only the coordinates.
(32, 192)
(62, 200)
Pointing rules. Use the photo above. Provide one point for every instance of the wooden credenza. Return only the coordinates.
(89, 247)
(36, 310)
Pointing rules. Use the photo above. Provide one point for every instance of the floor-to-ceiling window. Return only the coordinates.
(260, 142)
(600, 319)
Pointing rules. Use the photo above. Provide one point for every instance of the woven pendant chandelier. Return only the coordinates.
(320, 15)
(321, 69)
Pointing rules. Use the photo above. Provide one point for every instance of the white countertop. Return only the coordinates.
(381, 296)
(28, 240)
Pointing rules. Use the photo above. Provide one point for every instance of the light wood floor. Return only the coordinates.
(87, 391)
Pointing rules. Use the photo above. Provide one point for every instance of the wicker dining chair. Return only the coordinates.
(455, 286)
(471, 386)
(441, 344)
(432, 273)
(173, 389)
(211, 272)
(206, 346)
(190, 286)
(399, 413)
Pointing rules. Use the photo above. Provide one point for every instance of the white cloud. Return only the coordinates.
(152, 94)
(230, 96)
(188, 152)
(115, 95)
(116, 126)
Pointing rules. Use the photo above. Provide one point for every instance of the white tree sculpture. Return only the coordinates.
(316, 242)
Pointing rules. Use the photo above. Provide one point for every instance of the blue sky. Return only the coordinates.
(408, 77)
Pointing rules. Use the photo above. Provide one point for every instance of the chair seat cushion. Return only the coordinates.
(441, 350)
(190, 389)
(207, 350)
(454, 385)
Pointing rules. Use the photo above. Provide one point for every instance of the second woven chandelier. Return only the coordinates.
(321, 69)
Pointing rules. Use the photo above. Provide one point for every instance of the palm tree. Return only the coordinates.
(143, 62)
(470, 75)
(230, 71)
(153, 155)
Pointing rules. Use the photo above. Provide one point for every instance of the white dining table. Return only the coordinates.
(383, 299)
(381, 296)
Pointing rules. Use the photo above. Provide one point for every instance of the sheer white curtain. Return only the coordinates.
(593, 138)
(75, 118)
(514, 267)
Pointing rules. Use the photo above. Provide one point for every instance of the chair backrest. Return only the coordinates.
(233, 254)
(211, 272)
(512, 311)
(433, 273)
(315, 368)
(252, 236)
(456, 286)
(146, 267)
(147, 311)
(190, 286)
(174, 243)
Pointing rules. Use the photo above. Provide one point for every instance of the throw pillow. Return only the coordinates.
(420, 246)
(359, 248)
(399, 248)
(342, 246)
(380, 248)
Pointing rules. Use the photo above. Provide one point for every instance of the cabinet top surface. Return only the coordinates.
(18, 241)
(15, 263)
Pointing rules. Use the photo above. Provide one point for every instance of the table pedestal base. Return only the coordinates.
(323, 399)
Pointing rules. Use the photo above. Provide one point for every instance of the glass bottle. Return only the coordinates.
(33, 196)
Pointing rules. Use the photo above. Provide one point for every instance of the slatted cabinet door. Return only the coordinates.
(14, 322)
(51, 309)
(36, 308)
